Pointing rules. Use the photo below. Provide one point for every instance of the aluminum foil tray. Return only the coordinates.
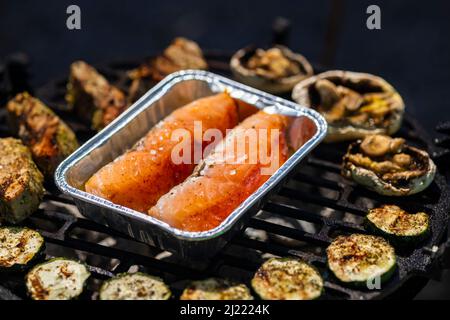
(173, 92)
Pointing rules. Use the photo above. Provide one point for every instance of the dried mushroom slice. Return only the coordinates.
(275, 70)
(354, 104)
(388, 166)
(397, 225)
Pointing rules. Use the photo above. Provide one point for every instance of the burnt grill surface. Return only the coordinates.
(314, 207)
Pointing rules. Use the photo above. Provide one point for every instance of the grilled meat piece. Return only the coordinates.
(181, 54)
(48, 137)
(92, 97)
(21, 182)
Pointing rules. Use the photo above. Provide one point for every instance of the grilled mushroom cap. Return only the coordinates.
(276, 70)
(354, 104)
(388, 166)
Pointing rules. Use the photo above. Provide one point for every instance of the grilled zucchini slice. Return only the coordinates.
(358, 258)
(216, 289)
(397, 225)
(19, 248)
(287, 279)
(134, 286)
(57, 279)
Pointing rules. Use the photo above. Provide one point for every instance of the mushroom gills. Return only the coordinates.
(388, 166)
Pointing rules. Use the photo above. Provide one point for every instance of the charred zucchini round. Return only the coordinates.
(134, 286)
(397, 225)
(19, 248)
(354, 104)
(287, 279)
(358, 258)
(216, 289)
(388, 166)
(57, 279)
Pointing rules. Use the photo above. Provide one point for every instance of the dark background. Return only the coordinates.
(411, 51)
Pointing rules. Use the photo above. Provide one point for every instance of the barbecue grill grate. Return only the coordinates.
(315, 206)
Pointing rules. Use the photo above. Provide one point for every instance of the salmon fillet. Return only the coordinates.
(227, 176)
(138, 178)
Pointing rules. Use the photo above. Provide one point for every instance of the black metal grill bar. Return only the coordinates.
(276, 249)
(324, 164)
(340, 205)
(286, 231)
(293, 212)
(317, 181)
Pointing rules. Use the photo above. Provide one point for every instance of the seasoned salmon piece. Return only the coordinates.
(21, 182)
(49, 138)
(92, 97)
(228, 175)
(138, 178)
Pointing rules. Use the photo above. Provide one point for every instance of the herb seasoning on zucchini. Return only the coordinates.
(397, 225)
(287, 279)
(19, 247)
(134, 286)
(216, 289)
(354, 104)
(359, 258)
(57, 279)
